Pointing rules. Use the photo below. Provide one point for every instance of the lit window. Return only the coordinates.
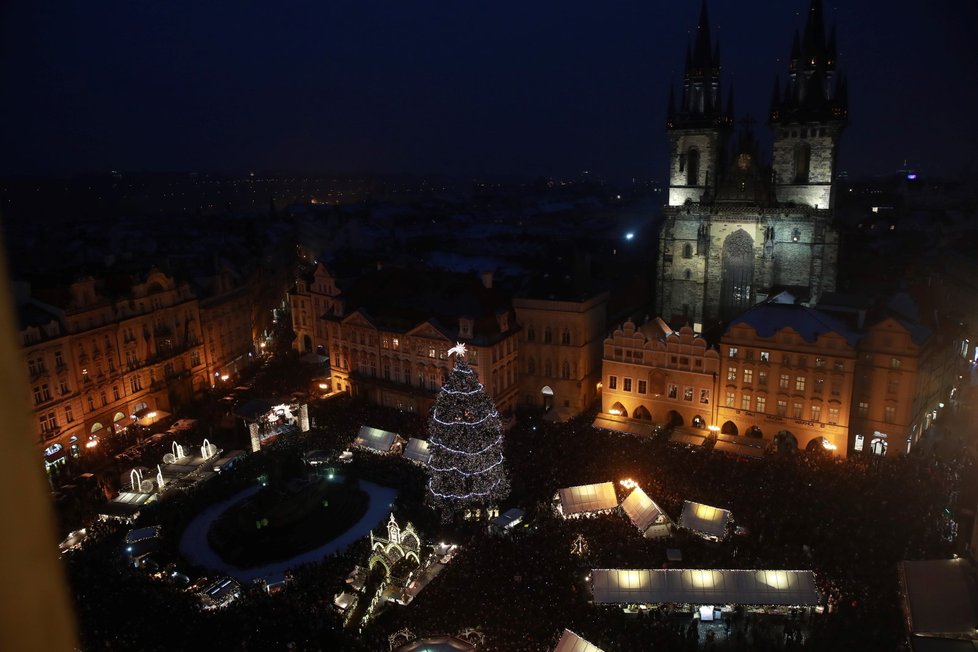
(643, 387)
(816, 413)
(895, 363)
(833, 415)
(796, 410)
(704, 396)
(863, 408)
(783, 381)
(731, 373)
(745, 402)
(765, 356)
(782, 408)
(761, 404)
(748, 376)
(732, 353)
(688, 394)
(612, 382)
(730, 398)
(673, 391)
(799, 383)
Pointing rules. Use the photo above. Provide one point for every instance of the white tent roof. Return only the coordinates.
(704, 519)
(623, 425)
(588, 498)
(417, 450)
(737, 448)
(375, 438)
(571, 642)
(691, 586)
(642, 510)
(939, 597)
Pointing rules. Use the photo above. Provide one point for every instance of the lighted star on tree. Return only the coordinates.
(459, 348)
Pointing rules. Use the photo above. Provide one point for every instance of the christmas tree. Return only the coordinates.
(465, 438)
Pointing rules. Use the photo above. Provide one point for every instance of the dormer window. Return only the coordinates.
(465, 327)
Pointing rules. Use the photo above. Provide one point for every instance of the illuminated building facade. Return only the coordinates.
(560, 351)
(389, 332)
(655, 375)
(786, 376)
(736, 227)
(227, 317)
(104, 352)
(313, 296)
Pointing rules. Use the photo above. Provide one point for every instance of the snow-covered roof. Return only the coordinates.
(704, 586)
(588, 498)
(704, 519)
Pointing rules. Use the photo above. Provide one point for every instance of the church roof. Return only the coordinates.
(771, 317)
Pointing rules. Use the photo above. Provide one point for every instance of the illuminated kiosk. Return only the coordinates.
(400, 552)
(571, 642)
(586, 500)
(404, 640)
(707, 593)
(265, 422)
(417, 451)
(379, 441)
(646, 515)
(705, 521)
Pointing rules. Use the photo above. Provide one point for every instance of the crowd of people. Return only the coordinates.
(848, 520)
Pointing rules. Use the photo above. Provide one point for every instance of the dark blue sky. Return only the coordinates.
(447, 86)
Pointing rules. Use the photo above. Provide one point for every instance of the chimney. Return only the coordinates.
(487, 280)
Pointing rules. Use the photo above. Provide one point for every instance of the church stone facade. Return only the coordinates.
(739, 223)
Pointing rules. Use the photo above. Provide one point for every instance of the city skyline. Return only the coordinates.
(533, 91)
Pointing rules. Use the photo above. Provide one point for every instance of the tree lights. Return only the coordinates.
(465, 440)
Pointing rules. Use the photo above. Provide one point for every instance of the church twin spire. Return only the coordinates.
(814, 91)
(701, 103)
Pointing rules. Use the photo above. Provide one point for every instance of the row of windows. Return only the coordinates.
(785, 381)
(548, 336)
(642, 386)
(760, 404)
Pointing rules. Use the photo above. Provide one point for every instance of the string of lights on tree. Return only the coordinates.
(465, 438)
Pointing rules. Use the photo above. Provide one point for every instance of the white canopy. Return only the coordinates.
(588, 498)
(376, 439)
(642, 510)
(939, 597)
(738, 448)
(704, 520)
(417, 451)
(689, 586)
(571, 642)
(619, 424)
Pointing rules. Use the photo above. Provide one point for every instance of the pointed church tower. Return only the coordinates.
(809, 117)
(698, 127)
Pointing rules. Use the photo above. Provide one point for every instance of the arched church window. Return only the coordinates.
(803, 157)
(687, 250)
(693, 166)
(687, 274)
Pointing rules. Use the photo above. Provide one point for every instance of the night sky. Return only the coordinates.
(450, 87)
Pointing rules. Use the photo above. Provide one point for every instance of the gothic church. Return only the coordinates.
(739, 225)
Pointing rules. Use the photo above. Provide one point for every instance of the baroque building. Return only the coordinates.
(105, 354)
(740, 223)
(560, 348)
(654, 375)
(387, 333)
